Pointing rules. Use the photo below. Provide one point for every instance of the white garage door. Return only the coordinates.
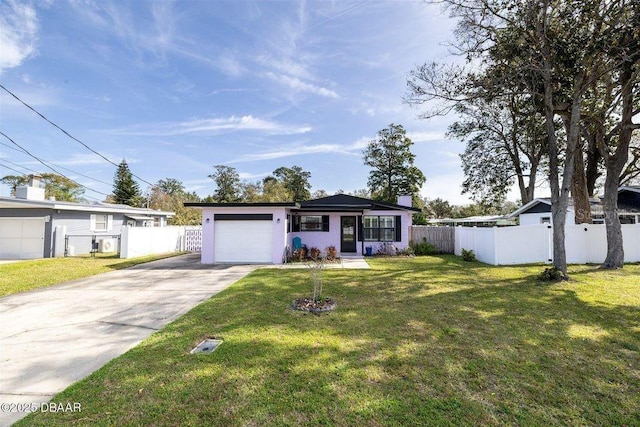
(21, 238)
(243, 241)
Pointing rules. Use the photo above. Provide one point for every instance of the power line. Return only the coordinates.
(67, 133)
(49, 167)
(12, 169)
(82, 175)
(54, 164)
(24, 174)
(11, 146)
(20, 166)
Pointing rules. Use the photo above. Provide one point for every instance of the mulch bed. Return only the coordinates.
(307, 304)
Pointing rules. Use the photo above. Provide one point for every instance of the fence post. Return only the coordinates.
(496, 260)
(550, 247)
(59, 241)
(124, 242)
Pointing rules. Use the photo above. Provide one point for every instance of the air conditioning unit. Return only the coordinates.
(107, 245)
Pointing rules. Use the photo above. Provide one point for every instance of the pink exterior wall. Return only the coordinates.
(279, 230)
(322, 239)
(282, 239)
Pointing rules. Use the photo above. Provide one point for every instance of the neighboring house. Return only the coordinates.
(474, 221)
(538, 211)
(32, 227)
(262, 232)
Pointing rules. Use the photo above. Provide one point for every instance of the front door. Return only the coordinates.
(347, 234)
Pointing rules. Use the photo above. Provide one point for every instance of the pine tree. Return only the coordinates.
(393, 173)
(126, 190)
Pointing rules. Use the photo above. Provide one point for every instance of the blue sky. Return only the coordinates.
(178, 87)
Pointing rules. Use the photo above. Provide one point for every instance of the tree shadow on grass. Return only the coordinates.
(501, 351)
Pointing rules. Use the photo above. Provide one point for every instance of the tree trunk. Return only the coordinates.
(615, 164)
(580, 193)
(560, 193)
(558, 208)
(615, 249)
(593, 162)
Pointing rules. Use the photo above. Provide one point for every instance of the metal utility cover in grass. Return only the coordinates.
(206, 346)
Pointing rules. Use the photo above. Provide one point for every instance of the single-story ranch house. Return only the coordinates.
(32, 227)
(262, 232)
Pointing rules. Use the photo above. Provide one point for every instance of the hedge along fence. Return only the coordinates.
(442, 238)
(584, 243)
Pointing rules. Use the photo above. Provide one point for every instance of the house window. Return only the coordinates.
(545, 220)
(311, 223)
(101, 223)
(378, 228)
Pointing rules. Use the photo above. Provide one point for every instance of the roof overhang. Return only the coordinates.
(241, 205)
(140, 217)
(11, 202)
(633, 189)
(528, 206)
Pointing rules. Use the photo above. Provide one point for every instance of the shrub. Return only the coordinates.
(299, 254)
(387, 249)
(314, 253)
(424, 248)
(331, 253)
(468, 255)
(316, 267)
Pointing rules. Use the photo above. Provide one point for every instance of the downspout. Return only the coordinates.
(361, 237)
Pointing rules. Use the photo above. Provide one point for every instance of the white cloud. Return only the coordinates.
(230, 66)
(18, 33)
(353, 149)
(426, 136)
(299, 86)
(296, 151)
(247, 175)
(215, 126)
(89, 159)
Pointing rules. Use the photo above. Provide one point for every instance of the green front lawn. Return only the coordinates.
(424, 341)
(24, 276)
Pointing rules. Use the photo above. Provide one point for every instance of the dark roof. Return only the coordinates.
(339, 202)
(236, 205)
(345, 202)
(627, 204)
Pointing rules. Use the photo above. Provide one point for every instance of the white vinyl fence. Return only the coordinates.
(139, 241)
(585, 243)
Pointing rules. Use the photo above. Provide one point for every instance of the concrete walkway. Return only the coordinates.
(355, 263)
(53, 337)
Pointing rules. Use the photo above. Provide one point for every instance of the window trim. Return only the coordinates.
(93, 223)
(317, 225)
(299, 223)
(378, 231)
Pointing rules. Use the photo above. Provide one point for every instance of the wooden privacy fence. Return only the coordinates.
(443, 238)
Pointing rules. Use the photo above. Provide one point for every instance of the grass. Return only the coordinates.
(28, 275)
(422, 341)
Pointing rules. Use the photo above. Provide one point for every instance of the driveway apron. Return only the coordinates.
(53, 337)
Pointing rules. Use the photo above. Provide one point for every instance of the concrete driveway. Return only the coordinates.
(52, 337)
